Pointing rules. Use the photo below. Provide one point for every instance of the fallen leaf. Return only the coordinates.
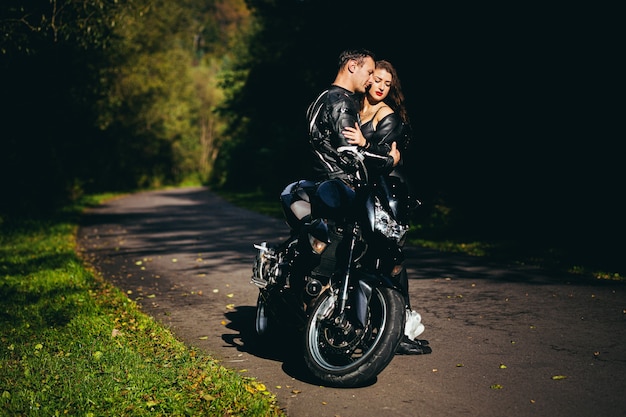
(496, 386)
(231, 295)
(230, 306)
(174, 260)
(502, 366)
(260, 386)
(203, 337)
(557, 377)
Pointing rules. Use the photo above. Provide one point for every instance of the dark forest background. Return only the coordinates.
(513, 106)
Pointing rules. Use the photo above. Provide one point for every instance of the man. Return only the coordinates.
(328, 116)
(337, 108)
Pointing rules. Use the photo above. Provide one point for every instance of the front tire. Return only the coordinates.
(350, 356)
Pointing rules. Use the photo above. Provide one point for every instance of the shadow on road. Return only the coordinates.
(281, 346)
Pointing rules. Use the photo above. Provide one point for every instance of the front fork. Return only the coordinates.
(362, 292)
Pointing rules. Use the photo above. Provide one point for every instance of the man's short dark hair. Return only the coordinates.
(357, 54)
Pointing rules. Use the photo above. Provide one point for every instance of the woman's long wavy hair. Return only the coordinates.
(395, 98)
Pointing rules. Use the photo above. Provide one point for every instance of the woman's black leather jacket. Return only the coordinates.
(389, 129)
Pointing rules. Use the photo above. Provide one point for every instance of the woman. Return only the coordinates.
(384, 120)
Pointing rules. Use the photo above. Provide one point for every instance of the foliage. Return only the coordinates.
(115, 95)
(70, 344)
(110, 95)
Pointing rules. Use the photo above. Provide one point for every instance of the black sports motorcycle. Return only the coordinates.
(336, 281)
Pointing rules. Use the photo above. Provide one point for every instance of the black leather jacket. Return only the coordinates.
(389, 129)
(334, 110)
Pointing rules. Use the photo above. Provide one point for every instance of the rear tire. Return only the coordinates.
(264, 324)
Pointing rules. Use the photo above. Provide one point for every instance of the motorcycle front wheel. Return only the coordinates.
(340, 353)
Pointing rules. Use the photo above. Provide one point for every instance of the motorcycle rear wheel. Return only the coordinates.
(356, 357)
(265, 323)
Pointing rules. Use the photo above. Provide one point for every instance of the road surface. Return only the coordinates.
(507, 341)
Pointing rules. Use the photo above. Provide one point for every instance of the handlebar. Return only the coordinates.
(354, 161)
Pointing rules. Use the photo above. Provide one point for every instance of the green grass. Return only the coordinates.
(71, 344)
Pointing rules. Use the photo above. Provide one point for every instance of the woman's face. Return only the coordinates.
(381, 85)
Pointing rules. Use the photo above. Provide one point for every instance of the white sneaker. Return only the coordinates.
(414, 326)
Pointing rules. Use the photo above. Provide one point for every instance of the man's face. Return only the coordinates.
(363, 75)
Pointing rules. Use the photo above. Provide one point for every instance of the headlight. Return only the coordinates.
(317, 245)
(386, 225)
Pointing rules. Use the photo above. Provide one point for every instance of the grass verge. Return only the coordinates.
(71, 344)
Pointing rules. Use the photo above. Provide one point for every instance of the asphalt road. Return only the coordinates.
(507, 341)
